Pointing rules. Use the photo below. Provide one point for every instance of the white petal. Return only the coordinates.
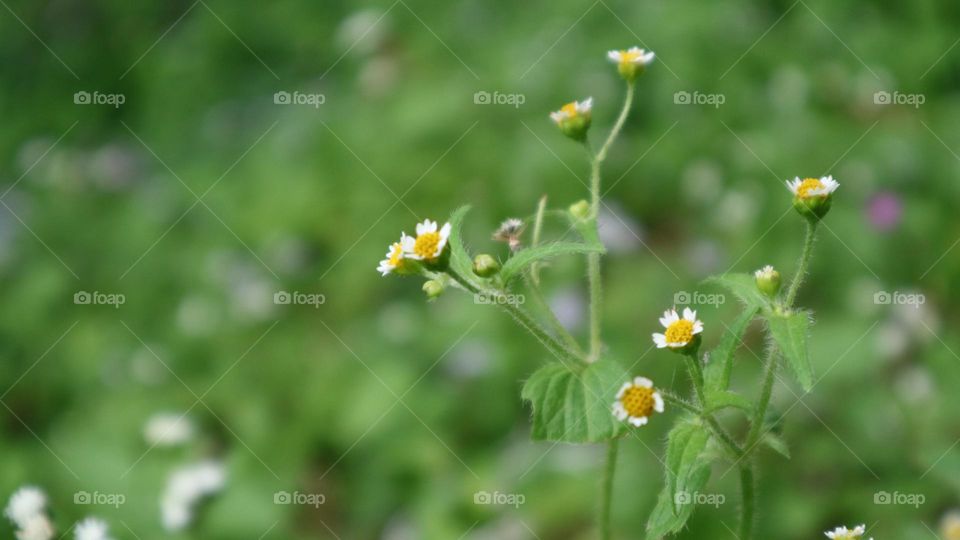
(626, 386)
(697, 327)
(660, 340)
(585, 106)
(638, 421)
(657, 402)
(619, 411)
(642, 382)
(678, 345)
(614, 56)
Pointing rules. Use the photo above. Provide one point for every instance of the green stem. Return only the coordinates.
(523, 318)
(696, 375)
(593, 259)
(766, 391)
(804, 263)
(680, 402)
(606, 495)
(747, 504)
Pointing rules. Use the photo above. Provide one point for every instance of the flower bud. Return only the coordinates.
(433, 288)
(485, 265)
(574, 118)
(631, 63)
(580, 210)
(768, 281)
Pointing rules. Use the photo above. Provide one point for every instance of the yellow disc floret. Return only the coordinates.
(426, 245)
(629, 57)
(638, 401)
(808, 185)
(680, 331)
(570, 109)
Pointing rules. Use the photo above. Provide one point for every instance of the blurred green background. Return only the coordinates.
(201, 197)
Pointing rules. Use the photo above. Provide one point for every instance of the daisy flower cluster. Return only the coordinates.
(427, 247)
(27, 510)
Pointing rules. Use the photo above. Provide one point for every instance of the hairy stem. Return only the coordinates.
(593, 259)
(606, 495)
(766, 391)
(804, 263)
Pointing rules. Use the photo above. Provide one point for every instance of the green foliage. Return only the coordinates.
(721, 399)
(573, 403)
(460, 259)
(687, 471)
(743, 286)
(522, 260)
(720, 359)
(790, 331)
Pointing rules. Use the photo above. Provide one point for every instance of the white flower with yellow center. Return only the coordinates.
(812, 187)
(636, 401)
(573, 111)
(634, 56)
(842, 533)
(679, 331)
(429, 243)
(394, 257)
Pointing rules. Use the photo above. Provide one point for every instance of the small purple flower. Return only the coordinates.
(884, 211)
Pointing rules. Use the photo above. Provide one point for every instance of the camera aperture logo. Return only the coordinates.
(299, 98)
(698, 98)
(482, 97)
(108, 499)
(909, 499)
(97, 298)
(297, 298)
(498, 498)
(98, 98)
(897, 298)
(684, 498)
(697, 298)
(898, 98)
(298, 498)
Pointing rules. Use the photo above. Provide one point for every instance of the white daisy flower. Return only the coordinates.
(573, 110)
(634, 56)
(429, 243)
(168, 429)
(186, 486)
(636, 401)
(91, 529)
(842, 533)
(25, 503)
(812, 187)
(37, 527)
(679, 331)
(394, 257)
(767, 272)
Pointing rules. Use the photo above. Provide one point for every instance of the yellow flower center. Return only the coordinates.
(808, 185)
(396, 255)
(570, 109)
(426, 245)
(680, 332)
(638, 401)
(627, 58)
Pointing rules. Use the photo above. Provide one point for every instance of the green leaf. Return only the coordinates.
(521, 260)
(790, 332)
(777, 444)
(687, 471)
(743, 286)
(685, 445)
(573, 403)
(459, 258)
(721, 399)
(720, 362)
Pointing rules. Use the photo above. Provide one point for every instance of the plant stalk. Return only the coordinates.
(606, 496)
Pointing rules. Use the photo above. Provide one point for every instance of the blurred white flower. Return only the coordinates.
(91, 529)
(26, 503)
(950, 525)
(842, 533)
(186, 486)
(168, 429)
(38, 527)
